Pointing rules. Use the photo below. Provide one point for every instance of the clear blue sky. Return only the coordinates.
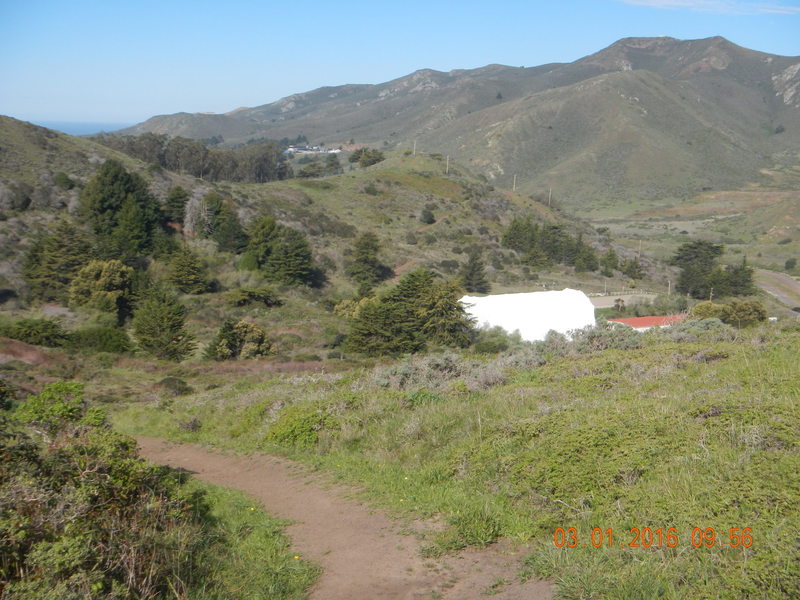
(124, 61)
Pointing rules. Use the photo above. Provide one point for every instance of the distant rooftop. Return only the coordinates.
(649, 322)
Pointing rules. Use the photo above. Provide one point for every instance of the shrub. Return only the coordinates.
(246, 296)
(58, 404)
(173, 386)
(63, 181)
(7, 395)
(39, 332)
(101, 339)
(239, 339)
(104, 524)
(298, 426)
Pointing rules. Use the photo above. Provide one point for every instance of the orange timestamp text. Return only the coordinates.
(649, 537)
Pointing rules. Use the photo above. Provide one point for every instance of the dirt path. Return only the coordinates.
(362, 554)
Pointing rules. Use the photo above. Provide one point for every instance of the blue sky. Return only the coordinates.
(124, 61)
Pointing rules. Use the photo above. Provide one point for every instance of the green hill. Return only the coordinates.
(647, 119)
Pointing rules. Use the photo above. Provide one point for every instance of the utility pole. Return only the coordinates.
(669, 287)
(711, 294)
(549, 197)
(414, 153)
(514, 185)
(447, 167)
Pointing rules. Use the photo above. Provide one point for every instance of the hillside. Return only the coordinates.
(644, 119)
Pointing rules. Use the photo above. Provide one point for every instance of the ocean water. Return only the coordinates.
(81, 128)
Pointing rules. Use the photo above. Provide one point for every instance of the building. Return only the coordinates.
(645, 323)
(532, 314)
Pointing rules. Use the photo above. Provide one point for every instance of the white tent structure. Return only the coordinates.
(533, 314)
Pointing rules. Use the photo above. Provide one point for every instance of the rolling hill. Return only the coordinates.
(646, 119)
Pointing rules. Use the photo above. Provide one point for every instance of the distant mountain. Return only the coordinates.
(644, 119)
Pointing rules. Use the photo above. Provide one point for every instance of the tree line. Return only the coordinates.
(258, 162)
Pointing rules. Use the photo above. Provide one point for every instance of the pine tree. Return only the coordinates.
(609, 262)
(130, 236)
(54, 259)
(290, 261)
(175, 204)
(262, 241)
(444, 319)
(365, 267)
(102, 199)
(228, 232)
(187, 272)
(159, 325)
(473, 274)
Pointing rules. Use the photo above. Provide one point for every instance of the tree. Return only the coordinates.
(54, 259)
(473, 274)
(701, 276)
(444, 318)
(174, 208)
(187, 272)
(417, 310)
(365, 268)
(130, 236)
(262, 241)
(290, 261)
(239, 339)
(366, 157)
(159, 325)
(631, 267)
(427, 216)
(108, 192)
(228, 232)
(104, 285)
(609, 261)
(790, 264)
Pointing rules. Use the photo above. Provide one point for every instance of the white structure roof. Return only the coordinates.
(533, 314)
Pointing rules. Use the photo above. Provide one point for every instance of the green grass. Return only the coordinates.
(683, 435)
(252, 559)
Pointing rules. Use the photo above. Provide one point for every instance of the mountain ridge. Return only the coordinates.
(703, 113)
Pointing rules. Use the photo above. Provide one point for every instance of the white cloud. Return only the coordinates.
(731, 7)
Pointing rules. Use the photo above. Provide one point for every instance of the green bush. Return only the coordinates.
(39, 332)
(101, 339)
(299, 425)
(245, 296)
(239, 339)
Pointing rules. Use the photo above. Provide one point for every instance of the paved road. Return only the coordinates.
(783, 287)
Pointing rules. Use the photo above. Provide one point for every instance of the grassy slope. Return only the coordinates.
(676, 435)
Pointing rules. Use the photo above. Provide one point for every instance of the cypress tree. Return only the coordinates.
(290, 261)
(104, 285)
(103, 198)
(228, 232)
(444, 318)
(187, 272)
(473, 274)
(54, 259)
(159, 325)
(175, 204)
(130, 236)
(365, 268)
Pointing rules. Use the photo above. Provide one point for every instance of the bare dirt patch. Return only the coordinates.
(719, 204)
(361, 550)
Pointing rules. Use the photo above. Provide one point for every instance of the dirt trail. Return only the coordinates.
(362, 554)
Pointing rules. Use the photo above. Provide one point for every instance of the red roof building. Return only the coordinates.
(645, 323)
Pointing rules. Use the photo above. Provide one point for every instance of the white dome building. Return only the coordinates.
(533, 314)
